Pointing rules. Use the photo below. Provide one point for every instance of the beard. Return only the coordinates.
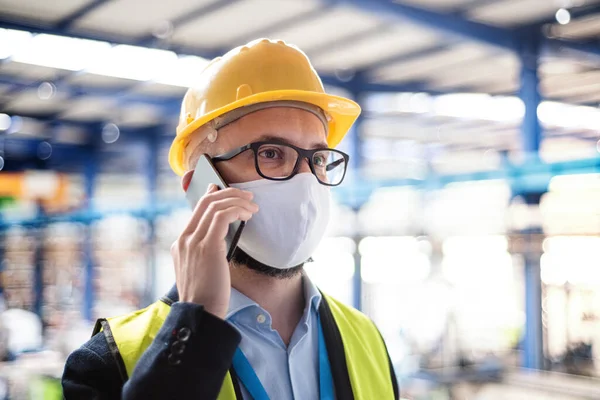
(241, 259)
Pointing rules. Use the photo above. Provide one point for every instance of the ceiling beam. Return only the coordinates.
(68, 21)
(410, 56)
(447, 23)
(200, 12)
(459, 26)
(286, 23)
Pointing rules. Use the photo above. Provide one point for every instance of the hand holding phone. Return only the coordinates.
(206, 174)
(200, 252)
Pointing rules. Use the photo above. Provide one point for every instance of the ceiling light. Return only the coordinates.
(182, 72)
(4, 122)
(61, 52)
(133, 62)
(11, 41)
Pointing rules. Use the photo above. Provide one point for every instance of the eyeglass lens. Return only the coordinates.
(278, 161)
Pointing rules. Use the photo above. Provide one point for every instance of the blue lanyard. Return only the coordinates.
(248, 377)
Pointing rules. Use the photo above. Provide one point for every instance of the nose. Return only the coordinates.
(304, 166)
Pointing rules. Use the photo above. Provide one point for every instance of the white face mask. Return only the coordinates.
(290, 223)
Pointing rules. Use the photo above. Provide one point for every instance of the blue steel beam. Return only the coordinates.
(526, 178)
(534, 176)
(459, 26)
(170, 105)
(69, 20)
(413, 55)
(447, 23)
(464, 8)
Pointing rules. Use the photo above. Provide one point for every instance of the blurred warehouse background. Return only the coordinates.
(468, 229)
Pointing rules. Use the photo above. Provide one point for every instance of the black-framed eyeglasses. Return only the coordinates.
(280, 161)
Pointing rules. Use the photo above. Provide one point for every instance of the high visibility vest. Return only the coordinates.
(367, 361)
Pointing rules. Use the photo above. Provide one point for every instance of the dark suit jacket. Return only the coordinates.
(96, 370)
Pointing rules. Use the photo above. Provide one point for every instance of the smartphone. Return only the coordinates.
(205, 174)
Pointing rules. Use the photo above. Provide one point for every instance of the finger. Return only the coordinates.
(213, 194)
(219, 205)
(198, 210)
(220, 225)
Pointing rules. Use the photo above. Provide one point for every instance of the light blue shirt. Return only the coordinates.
(286, 373)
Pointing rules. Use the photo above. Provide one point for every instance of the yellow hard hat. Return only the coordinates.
(260, 72)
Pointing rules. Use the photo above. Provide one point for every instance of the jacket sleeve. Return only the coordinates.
(189, 358)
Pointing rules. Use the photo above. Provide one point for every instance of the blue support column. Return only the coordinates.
(355, 87)
(38, 271)
(533, 350)
(91, 170)
(531, 131)
(152, 182)
(529, 93)
(356, 162)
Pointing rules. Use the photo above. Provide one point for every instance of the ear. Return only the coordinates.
(186, 179)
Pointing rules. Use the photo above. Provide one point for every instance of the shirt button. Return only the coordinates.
(184, 334)
(261, 318)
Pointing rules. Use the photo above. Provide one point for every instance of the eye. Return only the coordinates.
(320, 160)
(270, 153)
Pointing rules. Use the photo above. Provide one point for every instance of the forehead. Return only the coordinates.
(297, 126)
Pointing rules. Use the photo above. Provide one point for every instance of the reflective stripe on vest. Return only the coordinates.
(365, 352)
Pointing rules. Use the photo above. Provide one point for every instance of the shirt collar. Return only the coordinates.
(239, 301)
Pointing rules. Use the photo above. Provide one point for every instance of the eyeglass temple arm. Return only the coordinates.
(230, 154)
(334, 164)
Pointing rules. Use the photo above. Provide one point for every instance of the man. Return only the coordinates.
(255, 327)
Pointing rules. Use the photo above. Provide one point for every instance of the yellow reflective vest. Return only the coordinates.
(361, 350)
